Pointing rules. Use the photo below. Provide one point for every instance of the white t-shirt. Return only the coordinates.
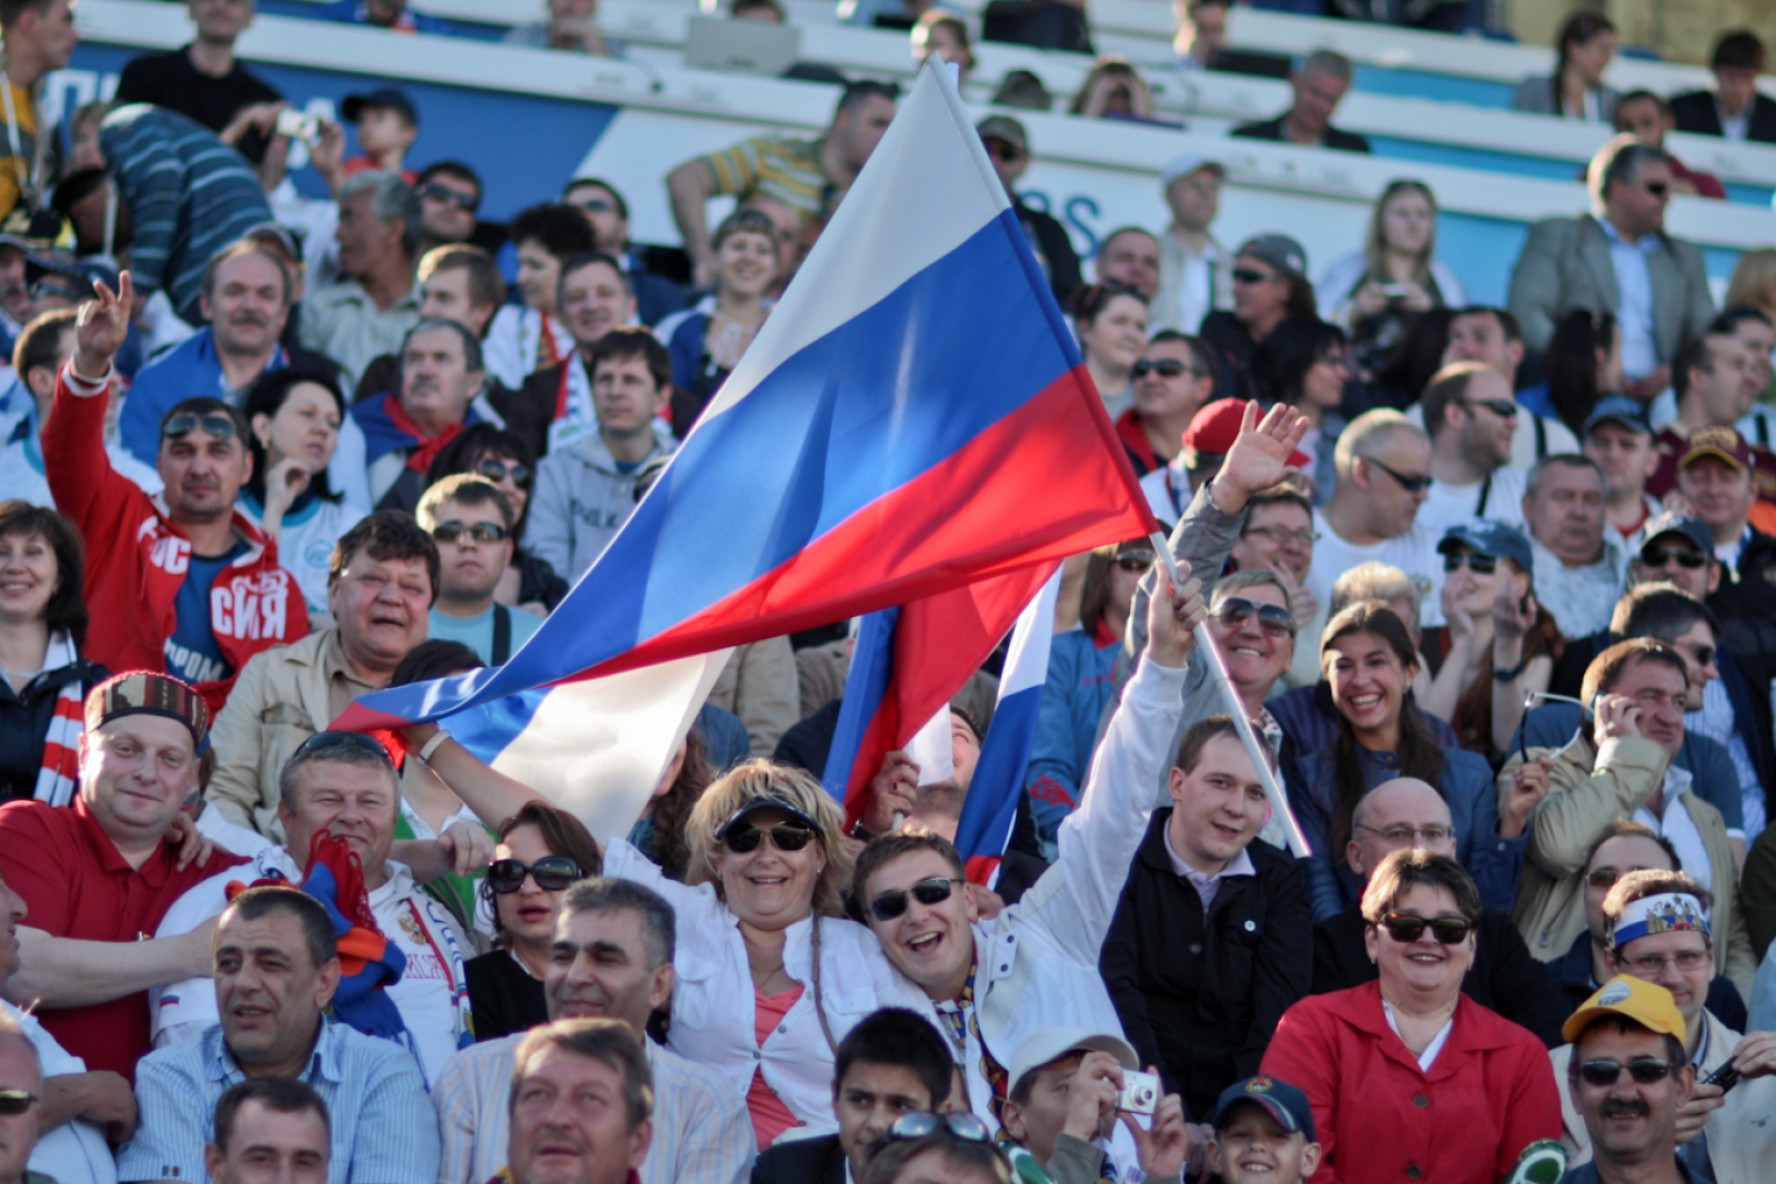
(1448, 505)
(1414, 553)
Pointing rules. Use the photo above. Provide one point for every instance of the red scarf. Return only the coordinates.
(427, 448)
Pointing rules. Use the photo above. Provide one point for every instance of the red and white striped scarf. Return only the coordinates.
(59, 777)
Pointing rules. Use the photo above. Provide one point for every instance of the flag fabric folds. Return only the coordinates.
(912, 420)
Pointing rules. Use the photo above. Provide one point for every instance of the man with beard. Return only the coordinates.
(1471, 418)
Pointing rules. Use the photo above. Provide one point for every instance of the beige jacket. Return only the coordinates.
(759, 685)
(283, 696)
(1588, 790)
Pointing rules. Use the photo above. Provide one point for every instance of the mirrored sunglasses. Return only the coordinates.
(214, 424)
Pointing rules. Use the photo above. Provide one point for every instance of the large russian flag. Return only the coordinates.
(914, 418)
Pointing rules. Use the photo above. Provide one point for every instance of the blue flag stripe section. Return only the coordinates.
(866, 687)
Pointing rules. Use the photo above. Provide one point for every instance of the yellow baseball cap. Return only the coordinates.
(1647, 1004)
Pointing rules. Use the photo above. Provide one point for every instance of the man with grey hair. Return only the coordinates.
(344, 784)
(1318, 82)
(611, 959)
(1617, 259)
(442, 374)
(21, 1105)
(1579, 570)
(555, 1067)
(369, 309)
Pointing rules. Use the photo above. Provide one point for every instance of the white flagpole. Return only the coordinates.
(1255, 749)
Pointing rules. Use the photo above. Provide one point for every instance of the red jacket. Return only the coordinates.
(136, 559)
(1490, 1092)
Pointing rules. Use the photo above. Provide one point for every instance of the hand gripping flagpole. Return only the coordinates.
(1255, 749)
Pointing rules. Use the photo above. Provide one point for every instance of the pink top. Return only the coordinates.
(770, 1117)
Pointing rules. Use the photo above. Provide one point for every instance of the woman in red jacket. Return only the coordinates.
(1409, 1078)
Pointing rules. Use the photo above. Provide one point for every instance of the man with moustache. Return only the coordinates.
(1629, 1082)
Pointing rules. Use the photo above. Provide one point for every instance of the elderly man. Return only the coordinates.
(584, 1084)
(1621, 766)
(344, 784)
(1471, 417)
(1617, 259)
(1629, 1084)
(1662, 932)
(100, 876)
(381, 584)
(1578, 570)
(1408, 813)
(611, 959)
(277, 968)
(269, 1123)
(1318, 84)
(21, 1105)
(441, 376)
(370, 308)
(554, 407)
(1195, 270)
(183, 582)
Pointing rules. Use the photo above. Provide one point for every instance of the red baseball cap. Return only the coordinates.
(1724, 443)
(1217, 426)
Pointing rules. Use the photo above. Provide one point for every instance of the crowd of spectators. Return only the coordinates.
(1493, 586)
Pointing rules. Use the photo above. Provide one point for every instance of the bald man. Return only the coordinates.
(1407, 812)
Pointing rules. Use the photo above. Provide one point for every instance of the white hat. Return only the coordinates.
(1051, 1044)
(1183, 166)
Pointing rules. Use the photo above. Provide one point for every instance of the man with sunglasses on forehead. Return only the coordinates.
(471, 521)
(181, 582)
(1628, 1080)
(1661, 933)
(1471, 419)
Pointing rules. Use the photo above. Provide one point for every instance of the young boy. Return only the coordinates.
(388, 124)
(1264, 1134)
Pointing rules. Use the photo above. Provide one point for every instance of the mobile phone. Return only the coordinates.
(299, 125)
(1726, 1077)
(1396, 291)
(1139, 1093)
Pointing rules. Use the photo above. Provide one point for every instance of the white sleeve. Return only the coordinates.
(501, 350)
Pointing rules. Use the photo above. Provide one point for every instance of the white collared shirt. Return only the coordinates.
(1207, 885)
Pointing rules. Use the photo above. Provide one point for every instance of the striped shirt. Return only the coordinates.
(188, 195)
(702, 1131)
(777, 166)
(372, 1087)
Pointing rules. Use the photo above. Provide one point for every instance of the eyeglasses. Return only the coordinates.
(1282, 534)
(1274, 619)
(1480, 565)
(1137, 564)
(552, 873)
(1164, 367)
(1644, 1070)
(1244, 275)
(213, 423)
(481, 532)
(461, 201)
(1403, 835)
(890, 905)
(1650, 966)
(1503, 408)
(1406, 928)
(17, 1101)
(498, 470)
(744, 838)
(1689, 560)
(922, 1124)
(1409, 484)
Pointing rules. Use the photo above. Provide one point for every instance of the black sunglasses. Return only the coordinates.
(16, 1101)
(1503, 408)
(1689, 560)
(1409, 484)
(890, 905)
(744, 838)
(1164, 367)
(461, 201)
(1644, 1070)
(552, 873)
(1137, 564)
(1406, 928)
(1274, 619)
(499, 470)
(1006, 153)
(480, 532)
(1480, 565)
(1243, 275)
(1656, 188)
(214, 424)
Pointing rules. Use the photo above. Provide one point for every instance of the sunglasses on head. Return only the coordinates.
(1480, 565)
(1688, 560)
(1503, 408)
(1245, 275)
(1164, 367)
(922, 1124)
(461, 201)
(499, 470)
(16, 1101)
(743, 838)
(552, 873)
(1644, 1070)
(323, 742)
(1274, 619)
(481, 532)
(214, 424)
(1406, 928)
(890, 905)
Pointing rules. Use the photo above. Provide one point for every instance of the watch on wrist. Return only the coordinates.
(1510, 673)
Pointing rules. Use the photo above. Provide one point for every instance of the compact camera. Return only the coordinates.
(1139, 1094)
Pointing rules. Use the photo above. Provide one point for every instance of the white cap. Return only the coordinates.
(1183, 166)
(1051, 1044)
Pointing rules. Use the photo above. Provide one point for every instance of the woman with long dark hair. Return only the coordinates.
(1369, 663)
(1306, 364)
(1587, 44)
(1583, 363)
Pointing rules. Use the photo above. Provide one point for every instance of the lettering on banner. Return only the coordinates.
(250, 607)
(170, 553)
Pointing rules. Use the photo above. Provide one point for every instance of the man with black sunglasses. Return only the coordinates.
(1008, 147)
(1471, 417)
(21, 1105)
(1627, 1080)
(471, 521)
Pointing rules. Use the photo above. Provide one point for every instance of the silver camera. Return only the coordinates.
(1139, 1093)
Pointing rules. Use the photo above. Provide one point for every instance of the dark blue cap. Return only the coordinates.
(387, 98)
(1630, 413)
(1496, 539)
(1692, 528)
(1281, 1100)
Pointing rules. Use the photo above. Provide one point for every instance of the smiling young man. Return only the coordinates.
(471, 521)
(277, 969)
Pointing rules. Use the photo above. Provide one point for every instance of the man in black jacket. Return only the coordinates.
(1319, 83)
(1505, 977)
(891, 1063)
(1202, 1003)
(1734, 108)
(1008, 147)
